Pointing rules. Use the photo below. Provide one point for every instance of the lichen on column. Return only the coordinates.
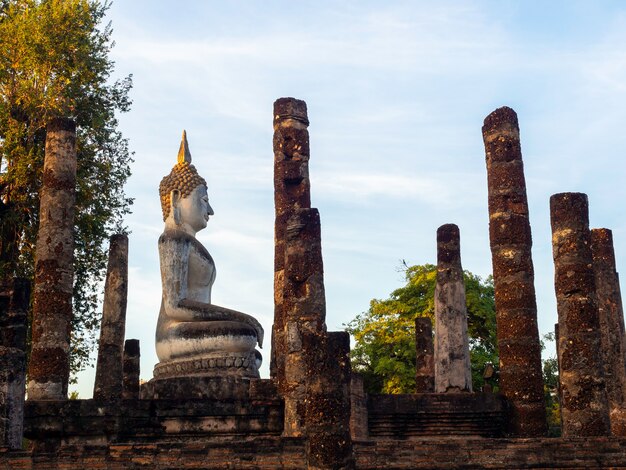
(452, 361)
(49, 366)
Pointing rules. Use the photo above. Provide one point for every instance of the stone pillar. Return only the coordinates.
(424, 356)
(358, 408)
(304, 308)
(452, 361)
(584, 405)
(49, 366)
(611, 316)
(521, 378)
(291, 191)
(130, 389)
(327, 405)
(14, 302)
(109, 376)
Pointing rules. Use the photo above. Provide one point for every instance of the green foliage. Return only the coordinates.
(385, 335)
(54, 63)
(551, 391)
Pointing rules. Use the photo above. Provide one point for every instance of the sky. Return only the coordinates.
(397, 92)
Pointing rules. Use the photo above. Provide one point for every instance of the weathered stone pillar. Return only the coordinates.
(424, 356)
(291, 191)
(327, 405)
(49, 366)
(304, 309)
(14, 302)
(358, 408)
(130, 390)
(611, 316)
(584, 405)
(521, 379)
(109, 376)
(452, 361)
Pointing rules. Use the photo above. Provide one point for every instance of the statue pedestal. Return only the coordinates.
(217, 364)
(219, 375)
(198, 387)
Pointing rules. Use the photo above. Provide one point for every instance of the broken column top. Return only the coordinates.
(602, 241)
(61, 124)
(570, 210)
(448, 245)
(503, 118)
(290, 108)
(131, 347)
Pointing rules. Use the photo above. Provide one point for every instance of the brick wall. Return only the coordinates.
(274, 453)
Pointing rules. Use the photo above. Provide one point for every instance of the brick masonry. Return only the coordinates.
(281, 453)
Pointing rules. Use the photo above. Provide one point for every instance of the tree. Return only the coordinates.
(385, 335)
(551, 389)
(54, 63)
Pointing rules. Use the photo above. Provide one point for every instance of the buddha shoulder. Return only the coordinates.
(181, 240)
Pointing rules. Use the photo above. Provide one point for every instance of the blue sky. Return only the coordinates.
(397, 93)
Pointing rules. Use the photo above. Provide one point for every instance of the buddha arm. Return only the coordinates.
(174, 257)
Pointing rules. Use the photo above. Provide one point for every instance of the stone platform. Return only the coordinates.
(289, 453)
(206, 388)
(156, 420)
(436, 414)
(423, 431)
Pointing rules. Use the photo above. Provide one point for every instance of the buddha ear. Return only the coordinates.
(174, 205)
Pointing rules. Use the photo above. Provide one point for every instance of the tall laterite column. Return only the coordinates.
(611, 316)
(49, 367)
(291, 191)
(521, 379)
(452, 358)
(584, 404)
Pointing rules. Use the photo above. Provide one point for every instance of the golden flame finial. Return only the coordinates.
(183, 152)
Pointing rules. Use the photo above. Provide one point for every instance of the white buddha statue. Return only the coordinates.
(195, 337)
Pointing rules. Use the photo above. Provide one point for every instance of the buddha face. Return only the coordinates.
(192, 212)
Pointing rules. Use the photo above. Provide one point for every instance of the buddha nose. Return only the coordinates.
(209, 209)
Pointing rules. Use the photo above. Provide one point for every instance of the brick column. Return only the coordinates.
(109, 376)
(358, 408)
(424, 356)
(14, 303)
(329, 444)
(611, 316)
(304, 309)
(452, 361)
(521, 378)
(130, 384)
(49, 366)
(584, 405)
(291, 191)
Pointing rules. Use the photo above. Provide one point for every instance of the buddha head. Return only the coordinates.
(184, 199)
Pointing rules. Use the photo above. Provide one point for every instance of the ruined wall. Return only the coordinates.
(276, 453)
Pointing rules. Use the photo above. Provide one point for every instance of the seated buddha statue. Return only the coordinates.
(194, 336)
